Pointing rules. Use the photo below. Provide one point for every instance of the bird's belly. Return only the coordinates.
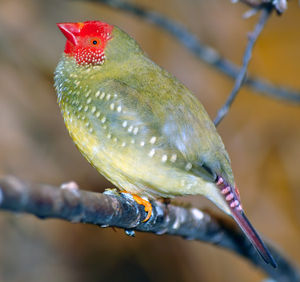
(129, 166)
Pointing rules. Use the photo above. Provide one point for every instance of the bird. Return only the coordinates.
(139, 126)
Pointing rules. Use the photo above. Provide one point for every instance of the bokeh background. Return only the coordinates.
(261, 135)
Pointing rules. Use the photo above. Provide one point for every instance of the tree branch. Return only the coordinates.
(266, 11)
(279, 5)
(120, 210)
(203, 52)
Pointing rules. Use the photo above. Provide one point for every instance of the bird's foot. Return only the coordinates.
(147, 205)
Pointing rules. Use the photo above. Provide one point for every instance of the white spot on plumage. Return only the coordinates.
(164, 158)
(108, 97)
(173, 158)
(142, 144)
(95, 150)
(188, 166)
(125, 123)
(151, 153)
(135, 130)
(97, 94)
(123, 144)
(89, 100)
(102, 95)
(93, 110)
(108, 135)
(87, 94)
(86, 108)
(97, 114)
(103, 120)
(130, 128)
(119, 109)
(112, 106)
(153, 139)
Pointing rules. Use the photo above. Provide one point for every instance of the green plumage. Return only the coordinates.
(139, 126)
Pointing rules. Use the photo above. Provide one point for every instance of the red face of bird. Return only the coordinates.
(86, 41)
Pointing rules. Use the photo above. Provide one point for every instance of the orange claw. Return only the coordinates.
(145, 203)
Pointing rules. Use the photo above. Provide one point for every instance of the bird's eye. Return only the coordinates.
(95, 41)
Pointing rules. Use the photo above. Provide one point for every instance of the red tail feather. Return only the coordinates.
(252, 235)
(232, 198)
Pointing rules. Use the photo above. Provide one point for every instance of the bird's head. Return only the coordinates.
(86, 41)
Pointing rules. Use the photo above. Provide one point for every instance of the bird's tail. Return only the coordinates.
(252, 235)
(233, 200)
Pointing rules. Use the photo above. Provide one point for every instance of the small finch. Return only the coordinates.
(139, 126)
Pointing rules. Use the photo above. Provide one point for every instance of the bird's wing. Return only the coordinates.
(180, 127)
(182, 134)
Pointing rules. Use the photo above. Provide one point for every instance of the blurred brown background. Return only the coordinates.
(262, 136)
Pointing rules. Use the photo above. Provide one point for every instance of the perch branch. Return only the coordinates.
(203, 52)
(120, 210)
(246, 59)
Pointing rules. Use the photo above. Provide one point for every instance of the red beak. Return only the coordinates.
(70, 30)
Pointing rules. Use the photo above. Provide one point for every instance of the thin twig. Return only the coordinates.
(265, 13)
(279, 5)
(120, 210)
(203, 52)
